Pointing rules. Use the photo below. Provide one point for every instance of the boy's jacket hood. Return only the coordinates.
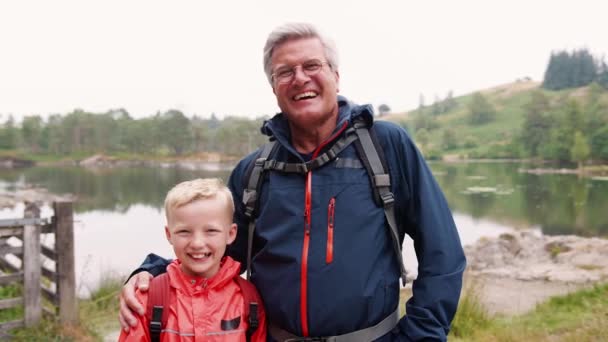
(278, 127)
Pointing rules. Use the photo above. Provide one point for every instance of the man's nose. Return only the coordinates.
(299, 75)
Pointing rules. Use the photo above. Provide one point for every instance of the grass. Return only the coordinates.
(580, 316)
(97, 317)
(509, 101)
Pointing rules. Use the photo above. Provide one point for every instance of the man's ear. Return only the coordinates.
(337, 81)
(168, 234)
(231, 234)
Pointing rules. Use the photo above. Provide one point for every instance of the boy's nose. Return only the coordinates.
(198, 240)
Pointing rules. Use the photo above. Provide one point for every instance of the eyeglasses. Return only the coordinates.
(286, 74)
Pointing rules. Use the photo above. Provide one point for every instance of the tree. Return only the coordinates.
(602, 76)
(580, 150)
(422, 120)
(448, 139)
(176, 131)
(599, 143)
(449, 103)
(436, 107)
(31, 132)
(8, 134)
(383, 109)
(420, 104)
(537, 125)
(422, 137)
(573, 70)
(481, 110)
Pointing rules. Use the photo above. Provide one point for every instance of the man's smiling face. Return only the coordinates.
(307, 101)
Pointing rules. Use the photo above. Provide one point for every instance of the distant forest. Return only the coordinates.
(564, 120)
(115, 132)
(547, 123)
(576, 69)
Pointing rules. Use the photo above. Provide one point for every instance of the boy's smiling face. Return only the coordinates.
(199, 232)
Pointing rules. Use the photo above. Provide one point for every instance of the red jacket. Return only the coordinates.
(197, 307)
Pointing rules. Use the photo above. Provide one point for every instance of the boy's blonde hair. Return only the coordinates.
(200, 188)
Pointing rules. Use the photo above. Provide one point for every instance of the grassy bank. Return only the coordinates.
(97, 316)
(580, 316)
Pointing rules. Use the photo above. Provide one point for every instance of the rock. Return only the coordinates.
(528, 256)
(514, 272)
(34, 195)
(12, 162)
(97, 160)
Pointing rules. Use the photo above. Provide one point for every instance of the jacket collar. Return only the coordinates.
(191, 285)
(278, 127)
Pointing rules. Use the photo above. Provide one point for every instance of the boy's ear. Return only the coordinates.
(168, 234)
(231, 234)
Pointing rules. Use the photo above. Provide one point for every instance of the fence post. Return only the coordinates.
(64, 247)
(31, 268)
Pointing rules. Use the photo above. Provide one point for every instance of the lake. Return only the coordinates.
(119, 216)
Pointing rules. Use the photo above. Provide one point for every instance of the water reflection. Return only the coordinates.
(119, 215)
(557, 203)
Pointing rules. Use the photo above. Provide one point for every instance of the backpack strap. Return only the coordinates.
(373, 159)
(324, 158)
(251, 193)
(262, 164)
(252, 307)
(158, 299)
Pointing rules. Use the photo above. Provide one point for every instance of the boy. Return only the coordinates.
(206, 300)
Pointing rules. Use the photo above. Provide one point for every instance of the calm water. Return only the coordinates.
(119, 218)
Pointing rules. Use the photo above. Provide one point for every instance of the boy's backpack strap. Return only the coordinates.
(251, 193)
(373, 159)
(158, 300)
(252, 307)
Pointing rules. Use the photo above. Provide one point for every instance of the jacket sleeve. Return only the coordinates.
(154, 264)
(425, 216)
(140, 332)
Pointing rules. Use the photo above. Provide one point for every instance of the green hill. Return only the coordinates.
(449, 130)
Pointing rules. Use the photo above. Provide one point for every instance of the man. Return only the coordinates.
(322, 252)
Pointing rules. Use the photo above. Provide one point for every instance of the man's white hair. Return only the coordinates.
(291, 31)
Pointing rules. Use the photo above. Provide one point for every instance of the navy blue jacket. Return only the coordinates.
(352, 274)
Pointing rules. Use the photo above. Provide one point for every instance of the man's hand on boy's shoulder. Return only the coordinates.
(129, 302)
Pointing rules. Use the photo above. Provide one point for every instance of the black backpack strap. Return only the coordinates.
(251, 194)
(158, 299)
(262, 163)
(251, 305)
(373, 159)
(324, 158)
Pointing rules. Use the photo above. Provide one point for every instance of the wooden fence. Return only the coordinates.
(45, 274)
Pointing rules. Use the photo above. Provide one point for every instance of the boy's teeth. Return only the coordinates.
(200, 256)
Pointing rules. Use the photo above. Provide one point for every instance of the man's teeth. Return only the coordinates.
(308, 94)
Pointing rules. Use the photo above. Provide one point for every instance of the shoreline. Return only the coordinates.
(216, 162)
(513, 271)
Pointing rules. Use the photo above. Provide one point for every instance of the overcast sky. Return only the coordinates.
(206, 56)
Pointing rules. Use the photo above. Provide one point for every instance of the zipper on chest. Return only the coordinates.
(306, 240)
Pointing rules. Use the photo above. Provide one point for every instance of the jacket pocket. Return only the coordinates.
(230, 324)
(329, 253)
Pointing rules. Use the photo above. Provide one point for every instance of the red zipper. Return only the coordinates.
(304, 267)
(329, 254)
(306, 243)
